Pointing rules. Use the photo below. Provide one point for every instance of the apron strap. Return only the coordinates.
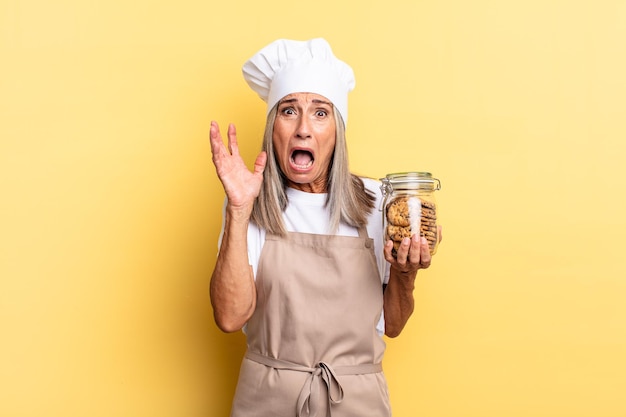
(362, 232)
(322, 373)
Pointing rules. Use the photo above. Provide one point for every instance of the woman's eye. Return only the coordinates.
(321, 113)
(288, 111)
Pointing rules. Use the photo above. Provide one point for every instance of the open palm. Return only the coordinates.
(241, 185)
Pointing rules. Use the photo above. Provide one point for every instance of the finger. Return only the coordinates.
(214, 131)
(415, 249)
(215, 137)
(403, 252)
(425, 256)
(387, 251)
(233, 146)
(259, 163)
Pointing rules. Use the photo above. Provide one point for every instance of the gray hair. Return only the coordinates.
(347, 198)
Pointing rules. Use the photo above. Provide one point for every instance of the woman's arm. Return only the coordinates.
(233, 293)
(232, 289)
(398, 302)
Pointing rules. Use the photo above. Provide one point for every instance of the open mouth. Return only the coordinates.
(302, 159)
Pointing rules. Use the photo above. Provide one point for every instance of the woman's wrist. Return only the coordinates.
(239, 214)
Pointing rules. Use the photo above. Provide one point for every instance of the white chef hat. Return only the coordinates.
(286, 66)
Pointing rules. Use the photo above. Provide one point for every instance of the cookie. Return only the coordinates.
(428, 234)
(426, 230)
(397, 233)
(428, 204)
(429, 213)
(398, 212)
(425, 221)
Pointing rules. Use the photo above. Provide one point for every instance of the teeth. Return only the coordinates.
(299, 166)
(303, 166)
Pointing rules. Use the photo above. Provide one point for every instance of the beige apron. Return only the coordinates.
(313, 349)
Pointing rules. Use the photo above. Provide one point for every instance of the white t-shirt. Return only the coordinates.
(306, 213)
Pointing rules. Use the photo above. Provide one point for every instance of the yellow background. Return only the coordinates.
(110, 206)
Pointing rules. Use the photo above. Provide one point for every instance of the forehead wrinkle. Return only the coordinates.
(297, 100)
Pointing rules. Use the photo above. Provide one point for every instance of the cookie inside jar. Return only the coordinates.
(408, 215)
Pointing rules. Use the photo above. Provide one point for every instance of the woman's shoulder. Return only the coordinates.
(372, 185)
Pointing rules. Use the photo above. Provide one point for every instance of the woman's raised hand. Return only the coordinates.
(240, 184)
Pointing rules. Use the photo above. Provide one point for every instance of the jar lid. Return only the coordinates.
(412, 180)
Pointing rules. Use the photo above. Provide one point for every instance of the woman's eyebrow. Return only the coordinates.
(316, 101)
(289, 100)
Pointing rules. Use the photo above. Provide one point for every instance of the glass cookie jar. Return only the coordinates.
(409, 207)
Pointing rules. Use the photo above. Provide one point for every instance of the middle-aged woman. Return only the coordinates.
(301, 249)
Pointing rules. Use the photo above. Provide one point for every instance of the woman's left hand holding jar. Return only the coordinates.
(413, 254)
(399, 303)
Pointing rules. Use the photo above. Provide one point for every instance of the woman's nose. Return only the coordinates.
(304, 128)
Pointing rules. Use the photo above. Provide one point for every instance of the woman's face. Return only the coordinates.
(304, 140)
